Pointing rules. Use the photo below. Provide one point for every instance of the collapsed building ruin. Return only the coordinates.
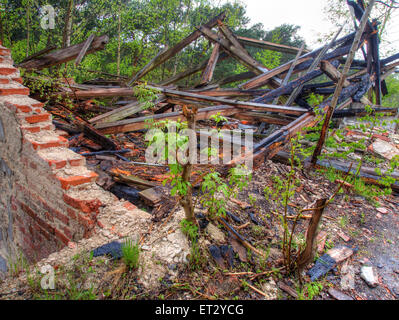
(51, 199)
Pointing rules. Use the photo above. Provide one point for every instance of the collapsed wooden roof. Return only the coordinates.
(276, 96)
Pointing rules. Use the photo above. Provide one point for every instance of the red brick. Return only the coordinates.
(381, 137)
(87, 222)
(67, 232)
(58, 164)
(7, 71)
(4, 81)
(12, 91)
(5, 52)
(67, 183)
(52, 144)
(63, 238)
(38, 118)
(86, 206)
(60, 216)
(72, 214)
(24, 109)
(76, 162)
(19, 80)
(35, 217)
(128, 205)
(31, 129)
(38, 105)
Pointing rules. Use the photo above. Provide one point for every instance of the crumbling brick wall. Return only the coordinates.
(48, 198)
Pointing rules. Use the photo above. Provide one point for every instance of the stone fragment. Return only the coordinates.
(215, 233)
(368, 274)
(338, 295)
(384, 149)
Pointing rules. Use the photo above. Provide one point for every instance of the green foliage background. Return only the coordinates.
(146, 27)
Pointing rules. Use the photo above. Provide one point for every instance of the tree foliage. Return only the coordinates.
(137, 29)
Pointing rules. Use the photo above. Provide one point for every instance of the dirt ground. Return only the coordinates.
(373, 231)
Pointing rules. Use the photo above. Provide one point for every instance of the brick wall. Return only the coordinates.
(48, 198)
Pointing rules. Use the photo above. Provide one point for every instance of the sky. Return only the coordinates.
(308, 14)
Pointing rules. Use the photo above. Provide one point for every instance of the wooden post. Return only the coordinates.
(340, 85)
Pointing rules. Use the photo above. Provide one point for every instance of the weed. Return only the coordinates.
(131, 253)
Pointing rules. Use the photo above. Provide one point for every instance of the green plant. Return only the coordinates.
(131, 253)
(191, 231)
(310, 290)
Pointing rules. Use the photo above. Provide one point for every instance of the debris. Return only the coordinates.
(113, 248)
(383, 210)
(367, 273)
(321, 241)
(239, 249)
(338, 295)
(151, 196)
(343, 236)
(63, 55)
(243, 205)
(228, 254)
(329, 260)
(286, 288)
(217, 256)
(215, 233)
(347, 277)
(384, 149)
(253, 219)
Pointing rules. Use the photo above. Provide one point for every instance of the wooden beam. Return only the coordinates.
(207, 75)
(268, 45)
(176, 49)
(140, 123)
(64, 55)
(125, 111)
(85, 47)
(261, 117)
(332, 72)
(287, 89)
(264, 78)
(234, 103)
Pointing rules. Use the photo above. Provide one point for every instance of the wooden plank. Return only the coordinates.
(295, 94)
(289, 73)
(287, 89)
(235, 103)
(231, 37)
(268, 45)
(332, 72)
(207, 75)
(151, 196)
(64, 55)
(124, 112)
(38, 54)
(230, 92)
(237, 53)
(85, 47)
(263, 79)
(261, 117)
(140, 123)
(175, 49)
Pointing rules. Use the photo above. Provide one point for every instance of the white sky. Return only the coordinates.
(306, 13)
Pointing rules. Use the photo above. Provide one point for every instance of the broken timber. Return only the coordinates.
(64, 55)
